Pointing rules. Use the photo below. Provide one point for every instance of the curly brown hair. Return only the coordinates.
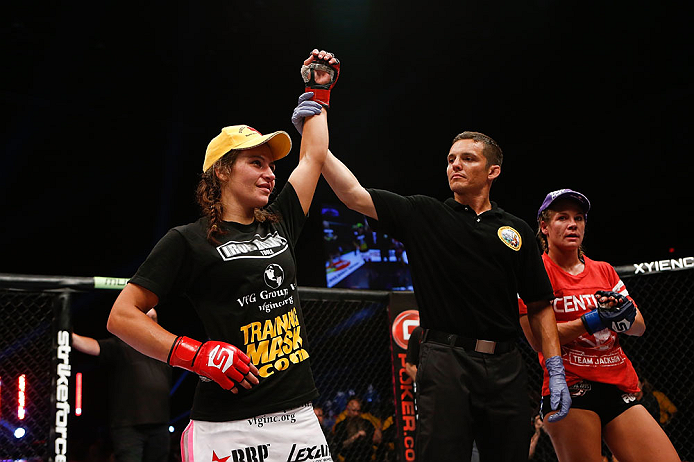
(208, 195)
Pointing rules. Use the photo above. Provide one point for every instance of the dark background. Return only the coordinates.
(108, 108)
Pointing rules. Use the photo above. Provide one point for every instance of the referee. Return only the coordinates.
(469, 260)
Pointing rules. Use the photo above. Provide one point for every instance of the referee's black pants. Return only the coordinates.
(465, 396)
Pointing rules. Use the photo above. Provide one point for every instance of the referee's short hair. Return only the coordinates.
(491, 150)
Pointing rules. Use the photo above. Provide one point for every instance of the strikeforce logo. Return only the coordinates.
(62, 406)
(258, 247)
(312, 453)
(224, 358)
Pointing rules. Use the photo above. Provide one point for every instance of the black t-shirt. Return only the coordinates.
(467, 270)
(245, 293)
(138, 386)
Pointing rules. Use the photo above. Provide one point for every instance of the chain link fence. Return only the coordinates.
(26, 353)
(662, 356)
(349, 341)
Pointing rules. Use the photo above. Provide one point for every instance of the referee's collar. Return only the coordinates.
(458, 207)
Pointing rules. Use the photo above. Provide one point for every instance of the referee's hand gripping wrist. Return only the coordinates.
(305, 108)
(213, 360)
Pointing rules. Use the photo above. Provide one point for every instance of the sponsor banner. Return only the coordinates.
(109, 283)
(404, 317)
(62, 406)
(658, 266)
(61, 372)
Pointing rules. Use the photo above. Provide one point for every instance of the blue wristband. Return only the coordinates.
(592, 322)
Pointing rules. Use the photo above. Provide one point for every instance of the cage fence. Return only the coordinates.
(349, 340)
(26, 353)
(662, 356)
(350, 348)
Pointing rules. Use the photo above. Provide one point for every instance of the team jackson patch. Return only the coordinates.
(510, 237)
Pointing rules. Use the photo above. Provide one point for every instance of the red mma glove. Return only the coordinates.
(212, 360)
(317, 68)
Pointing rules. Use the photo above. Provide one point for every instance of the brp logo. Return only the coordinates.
(403, 325)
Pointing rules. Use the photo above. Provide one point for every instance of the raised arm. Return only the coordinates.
(347, 187)
(311, 105)
(314, 148)
(320, 72)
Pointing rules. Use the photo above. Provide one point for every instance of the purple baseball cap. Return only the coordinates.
(564, 193)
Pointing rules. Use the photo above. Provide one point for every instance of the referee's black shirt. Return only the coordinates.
(467, 270)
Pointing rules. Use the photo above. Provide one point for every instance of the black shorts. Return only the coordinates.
(606, 400)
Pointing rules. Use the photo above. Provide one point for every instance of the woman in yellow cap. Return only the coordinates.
(236, 266)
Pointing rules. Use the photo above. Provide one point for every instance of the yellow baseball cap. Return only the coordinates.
(245, 137)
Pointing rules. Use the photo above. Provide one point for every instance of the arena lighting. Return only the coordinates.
(171, 428)
(21, 396)
(19, 432)
(78, 394)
